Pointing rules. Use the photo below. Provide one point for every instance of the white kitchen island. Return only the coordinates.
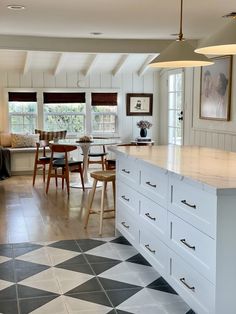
(177, 206)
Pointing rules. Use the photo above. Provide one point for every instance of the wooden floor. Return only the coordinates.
(28, 214)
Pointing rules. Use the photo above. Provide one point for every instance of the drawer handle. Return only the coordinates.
(188, 245)
(186, 285)
(150, 184)
(150, 217)
(187, 204)
(126, 171)
(124, 224)
(149, 249)
(125, 198)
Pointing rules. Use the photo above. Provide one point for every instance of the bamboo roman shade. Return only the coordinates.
(57, 98)
(104, 99)
(22, 96)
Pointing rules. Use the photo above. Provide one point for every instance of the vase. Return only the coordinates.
(143, 132)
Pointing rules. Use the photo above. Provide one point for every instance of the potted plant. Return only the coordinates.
(144, 125)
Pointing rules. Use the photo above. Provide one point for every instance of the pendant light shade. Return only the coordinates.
(222, 42)
(180, 53)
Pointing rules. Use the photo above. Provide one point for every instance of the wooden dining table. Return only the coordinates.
(85, 147)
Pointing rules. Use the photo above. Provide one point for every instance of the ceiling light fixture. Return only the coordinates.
(180, 54)
(15, 7)
(223, 42)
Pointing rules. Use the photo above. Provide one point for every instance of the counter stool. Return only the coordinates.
(104, 177)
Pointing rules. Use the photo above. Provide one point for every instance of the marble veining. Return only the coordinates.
(216, 168)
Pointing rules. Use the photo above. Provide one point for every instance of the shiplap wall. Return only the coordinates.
(215, 134)
(124, 83)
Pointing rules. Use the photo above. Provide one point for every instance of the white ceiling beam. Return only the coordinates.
(119, 65)
(144, 66)
(59, 64)
(84, 45)
(90, 65)
(27, 62)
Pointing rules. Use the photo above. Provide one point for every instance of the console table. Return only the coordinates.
(177, 206)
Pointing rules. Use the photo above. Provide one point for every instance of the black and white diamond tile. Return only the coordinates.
(88, 276)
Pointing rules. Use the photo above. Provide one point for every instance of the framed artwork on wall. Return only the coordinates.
(215, 91)
(139, 104)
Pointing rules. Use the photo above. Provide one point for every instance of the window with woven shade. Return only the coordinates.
(104, 112)
(22, 111)
(64, 111)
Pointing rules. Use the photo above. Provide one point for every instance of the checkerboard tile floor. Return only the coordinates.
(91, 276)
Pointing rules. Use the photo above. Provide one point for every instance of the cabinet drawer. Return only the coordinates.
(191, 286)
(127, 225)
(128, 170)
(195, 247)
(153, 216)
(154, 183)
(154, 250)
(128, 197)
(194, 205)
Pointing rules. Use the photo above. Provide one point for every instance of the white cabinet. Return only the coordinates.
(184, 228)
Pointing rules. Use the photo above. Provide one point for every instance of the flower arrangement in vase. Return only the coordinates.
(144, 125)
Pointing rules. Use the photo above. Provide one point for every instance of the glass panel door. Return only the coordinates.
(175, 107)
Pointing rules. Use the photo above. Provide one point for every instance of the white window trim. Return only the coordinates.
(88, 111)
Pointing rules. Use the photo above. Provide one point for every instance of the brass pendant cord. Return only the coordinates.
(181, 21)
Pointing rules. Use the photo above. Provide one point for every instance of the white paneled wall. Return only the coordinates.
(216, 134)
(124, 83)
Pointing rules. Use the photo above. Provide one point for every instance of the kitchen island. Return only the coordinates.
(177, 206)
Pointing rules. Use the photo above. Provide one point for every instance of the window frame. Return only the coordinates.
(87, 114)
(21, 114)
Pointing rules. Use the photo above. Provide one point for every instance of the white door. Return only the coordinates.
(175, 106)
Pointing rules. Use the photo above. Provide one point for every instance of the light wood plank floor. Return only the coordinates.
(28, 214)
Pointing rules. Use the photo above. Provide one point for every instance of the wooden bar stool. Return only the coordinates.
(104, 177)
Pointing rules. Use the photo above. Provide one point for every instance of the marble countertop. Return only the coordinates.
(216, 168)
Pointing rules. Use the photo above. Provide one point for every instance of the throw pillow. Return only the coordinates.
(24, 140)
(50, 135)
(5, 139)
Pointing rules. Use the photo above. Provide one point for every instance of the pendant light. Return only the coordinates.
(180, 54)
(222, 42)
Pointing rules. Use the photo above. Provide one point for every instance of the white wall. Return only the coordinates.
(124, 83)
(216, 134)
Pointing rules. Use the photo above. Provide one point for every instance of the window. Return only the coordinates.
(64, 111)
(22, 108)
(70, 117)
(104, 112)
(175, 107)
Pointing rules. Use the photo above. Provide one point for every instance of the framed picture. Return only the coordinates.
(215, 92)
(139, 104)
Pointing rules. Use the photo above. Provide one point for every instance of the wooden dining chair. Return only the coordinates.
(65, 164)
(98, 157)
(40, 162)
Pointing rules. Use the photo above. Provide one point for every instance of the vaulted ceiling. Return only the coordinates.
(57, 35)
